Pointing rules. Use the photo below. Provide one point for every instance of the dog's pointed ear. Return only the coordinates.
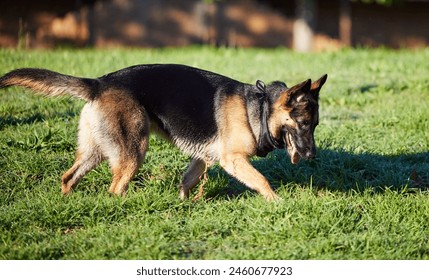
(295, 92)
(317, 85)
(288, 97)
(303, 87)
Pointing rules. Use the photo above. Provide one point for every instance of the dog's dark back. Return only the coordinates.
(180, 99)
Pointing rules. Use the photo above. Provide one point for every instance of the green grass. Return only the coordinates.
(365, 197)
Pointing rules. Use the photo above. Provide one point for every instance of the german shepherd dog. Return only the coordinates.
(208, 116)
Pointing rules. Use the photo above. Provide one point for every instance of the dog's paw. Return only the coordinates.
(272, 197)
(183, 194)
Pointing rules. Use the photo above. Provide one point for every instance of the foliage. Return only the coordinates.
(365, 197)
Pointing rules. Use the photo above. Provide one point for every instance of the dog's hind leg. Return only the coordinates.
(126, 155)
(126, 159)
(85, 161)
(192, 176)
(88, 154)
(125, 139)
(123, 173)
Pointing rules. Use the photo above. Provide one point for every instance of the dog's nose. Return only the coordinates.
(310, 154)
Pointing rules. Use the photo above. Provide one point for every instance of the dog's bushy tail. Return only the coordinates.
(51, 83)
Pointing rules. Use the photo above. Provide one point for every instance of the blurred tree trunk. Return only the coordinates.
(222, 25)
(303, 28)
(345, 23)
(91, 24)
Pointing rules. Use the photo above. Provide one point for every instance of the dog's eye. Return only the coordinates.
(304, 123)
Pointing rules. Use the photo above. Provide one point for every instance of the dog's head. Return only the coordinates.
(294, 117)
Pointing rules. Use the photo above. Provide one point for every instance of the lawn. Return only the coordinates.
(366, 196)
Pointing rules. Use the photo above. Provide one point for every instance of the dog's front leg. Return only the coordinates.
(197, 168)
(239, 166)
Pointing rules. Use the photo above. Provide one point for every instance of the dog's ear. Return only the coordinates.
(303, 87)
(294, 94)
(317, 85)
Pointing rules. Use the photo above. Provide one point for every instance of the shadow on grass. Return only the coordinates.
(35, 118)
(337, 171)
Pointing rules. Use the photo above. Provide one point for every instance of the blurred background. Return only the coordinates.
(303, 25)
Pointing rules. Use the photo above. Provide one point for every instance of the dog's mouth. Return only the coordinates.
(291, 149)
